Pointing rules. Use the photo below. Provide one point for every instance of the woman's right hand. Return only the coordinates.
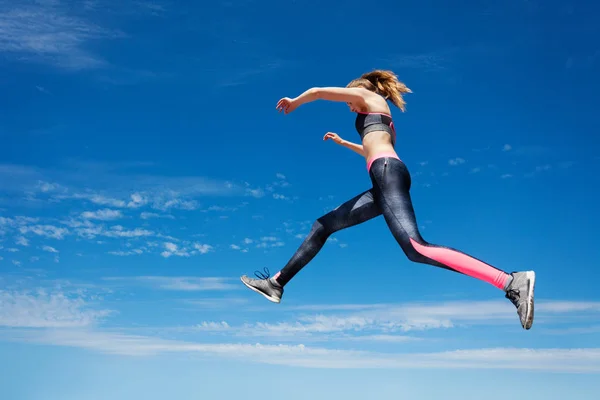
(333, 136)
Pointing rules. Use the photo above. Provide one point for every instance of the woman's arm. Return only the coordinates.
(349, 145)
(358, 148)
(347, 95)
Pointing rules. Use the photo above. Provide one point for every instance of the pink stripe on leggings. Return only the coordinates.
(463, 263)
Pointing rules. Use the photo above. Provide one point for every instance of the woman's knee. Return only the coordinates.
(409, 246)
(321, 230)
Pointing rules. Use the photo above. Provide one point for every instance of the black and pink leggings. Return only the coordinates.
(389, 196)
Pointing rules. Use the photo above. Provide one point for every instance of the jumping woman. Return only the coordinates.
(389, 196)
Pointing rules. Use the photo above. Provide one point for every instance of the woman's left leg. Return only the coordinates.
(391, 185)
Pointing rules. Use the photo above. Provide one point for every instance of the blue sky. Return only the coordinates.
(144, 168)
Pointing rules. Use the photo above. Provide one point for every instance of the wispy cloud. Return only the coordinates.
(47, 32)
(546, 359)
(172, 249)
(59, 318)
(103, 215)
(113, 185)
(149, 215)
(456, 161)
(177, 283)
(22, 241)
(392, 321)
(126, 253)
(49, 249)
(49, 231)
(269, 241)
(44, 309)
(538, 170)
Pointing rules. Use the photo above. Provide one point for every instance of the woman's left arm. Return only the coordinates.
(346, 95)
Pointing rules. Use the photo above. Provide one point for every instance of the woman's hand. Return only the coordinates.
(333, 136)
(287, 105)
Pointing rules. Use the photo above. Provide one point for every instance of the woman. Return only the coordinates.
(367, 96)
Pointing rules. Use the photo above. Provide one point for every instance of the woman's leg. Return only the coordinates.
(391, 185)
(357, 210)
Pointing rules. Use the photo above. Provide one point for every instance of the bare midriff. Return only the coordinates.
(378, 144)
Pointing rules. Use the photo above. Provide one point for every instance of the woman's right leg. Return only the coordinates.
(355, 211)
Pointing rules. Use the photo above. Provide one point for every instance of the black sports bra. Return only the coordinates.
(369, 122)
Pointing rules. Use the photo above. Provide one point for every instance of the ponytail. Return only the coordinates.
(386, 84)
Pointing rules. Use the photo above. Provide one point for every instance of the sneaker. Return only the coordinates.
(266, 286)
(520, 293)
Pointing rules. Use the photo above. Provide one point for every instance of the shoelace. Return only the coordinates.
(260, 275)
(513, 295)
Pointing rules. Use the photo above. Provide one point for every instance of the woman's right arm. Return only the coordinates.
(349, 145)
(353, 146)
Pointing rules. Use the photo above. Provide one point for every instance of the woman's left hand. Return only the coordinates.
(287, 105)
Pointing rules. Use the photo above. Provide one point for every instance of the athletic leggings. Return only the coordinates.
(389, 196)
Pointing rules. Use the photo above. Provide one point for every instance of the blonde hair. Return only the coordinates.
(385, 83)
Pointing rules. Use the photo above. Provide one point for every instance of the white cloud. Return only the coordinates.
(103, 215)
(212, 326)
(148, 215)
(41, 309)
(119, 231)
(248, 241)
(166, 204)
(545, 359)
(567, 306)
(87, 229)
(48, 231)
(97, 199)
(280, 176)
(235, 247)
(22, 241)
(505, 176)
(171, 249)
(507, 147)
(181, 283)
(202, 248)
(385, 319)
(42, 32)
(258, 193)
(49, 249)
(456, 161)
(126, 253)
(137, 200)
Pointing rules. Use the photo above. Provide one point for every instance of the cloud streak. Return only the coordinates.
(586, 360)
(46, 310)
(59, 319)
(177, 283)
(44, 32)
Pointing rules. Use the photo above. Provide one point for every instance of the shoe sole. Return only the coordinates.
(530, 305)
(270, 298)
